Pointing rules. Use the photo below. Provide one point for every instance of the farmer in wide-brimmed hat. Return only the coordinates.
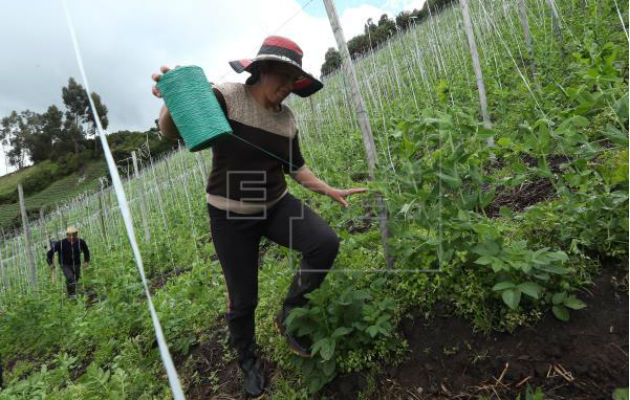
(248, 198)
(69, 250)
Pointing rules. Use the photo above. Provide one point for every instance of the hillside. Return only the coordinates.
(58, 192)
(49, 184)
(511, 261)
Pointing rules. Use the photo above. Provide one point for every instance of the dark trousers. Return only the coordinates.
(236, 237)
(72, 274)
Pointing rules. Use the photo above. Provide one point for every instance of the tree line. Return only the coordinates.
(66, 139)
(55, 134)
(376, 33)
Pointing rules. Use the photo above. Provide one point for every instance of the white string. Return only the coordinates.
(126, 214)
(623, 24)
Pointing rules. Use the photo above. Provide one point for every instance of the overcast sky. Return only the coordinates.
(124, 42)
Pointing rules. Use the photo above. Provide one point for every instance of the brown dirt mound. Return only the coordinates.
(157, 281)
(586, 358)
(521, 197)
(364, 222)
(528, 193)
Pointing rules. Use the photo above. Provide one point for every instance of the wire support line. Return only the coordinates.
(126, 214)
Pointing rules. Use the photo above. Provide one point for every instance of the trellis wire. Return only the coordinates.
(122, 201)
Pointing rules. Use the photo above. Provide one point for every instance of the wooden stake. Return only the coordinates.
(522, 12)
(202, 167)
(143, 206)
(64, 224)
(3, 274)
(477, 67)
(555, 19)
(363, 119)
(102, 214)
(27, 238)
(42, 222)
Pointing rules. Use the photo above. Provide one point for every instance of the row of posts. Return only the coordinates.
(362, 118)
(27, 233)
(359, 104)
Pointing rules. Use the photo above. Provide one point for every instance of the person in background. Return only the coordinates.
(69, 250)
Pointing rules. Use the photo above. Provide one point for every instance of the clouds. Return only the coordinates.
(124, 42)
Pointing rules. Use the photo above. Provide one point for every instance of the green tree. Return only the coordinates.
(386, 23)
(4, 136)
(437, 5)
(80, 121)
(403, 19)
(370, 27)
(332, 61)
(375, 34)
(9, 130)
(45, 131)
(419, 15)
(369, 30)
(385, 28)
(358, 45)
(15, 130)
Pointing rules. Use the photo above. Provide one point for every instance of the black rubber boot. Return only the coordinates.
(253, 377)
(299, 345)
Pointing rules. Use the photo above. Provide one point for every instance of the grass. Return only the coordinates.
(57, 193)
(9, 182)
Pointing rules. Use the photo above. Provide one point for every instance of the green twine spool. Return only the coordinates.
(193, 106)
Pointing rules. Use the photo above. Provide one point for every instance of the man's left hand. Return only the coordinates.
(339, 195)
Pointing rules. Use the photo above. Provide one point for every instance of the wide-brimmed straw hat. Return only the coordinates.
(277, 48)
(72, 230)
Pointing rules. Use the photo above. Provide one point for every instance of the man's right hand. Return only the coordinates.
(156, 77)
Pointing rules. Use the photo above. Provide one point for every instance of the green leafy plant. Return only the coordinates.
(531, 394)
(337, 325)
(530, 273)
(562, 302)
(620, 394)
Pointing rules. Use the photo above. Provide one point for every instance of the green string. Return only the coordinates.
(266, 152)
(193, 107)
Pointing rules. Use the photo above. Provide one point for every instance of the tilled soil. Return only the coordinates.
(586, 358)
(520, 197)
(209, 374)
